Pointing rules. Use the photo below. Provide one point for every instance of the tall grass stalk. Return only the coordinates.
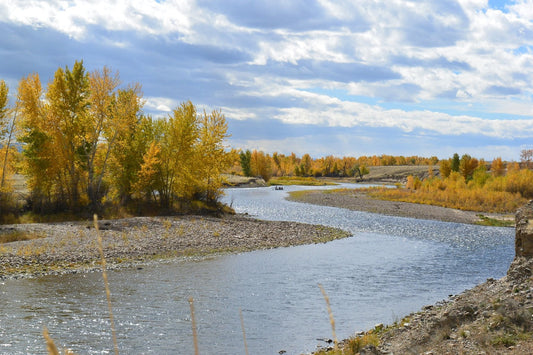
(106, 283)
(331, 319)
(243, 332)
(193, 321)
(50, 346)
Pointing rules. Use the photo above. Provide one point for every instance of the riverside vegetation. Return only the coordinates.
(84, 145)
(480, 193)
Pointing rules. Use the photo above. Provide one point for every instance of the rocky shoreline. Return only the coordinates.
(71, 247)
(495, 317)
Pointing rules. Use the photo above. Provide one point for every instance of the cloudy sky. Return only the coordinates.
(400, 77)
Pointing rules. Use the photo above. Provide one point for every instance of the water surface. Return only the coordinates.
(388, 268)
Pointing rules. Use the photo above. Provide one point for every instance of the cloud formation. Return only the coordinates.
(414, 74)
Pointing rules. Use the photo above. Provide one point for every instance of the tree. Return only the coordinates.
(305, 166)
(445, 168)
(480, 176)
(69, 124)
(39, 167)
(102, 86)
(261, 165)
(526, 156)
(497, 167)
(72, 136)
(455, 162)
(467, 165)
(245, 159)
(413, 183)
(7, 129)
(125, 159)
(149, 174)
(178, 137)
(212, 158)
(360, 170)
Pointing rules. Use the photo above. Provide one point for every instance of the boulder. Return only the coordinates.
(524, 231)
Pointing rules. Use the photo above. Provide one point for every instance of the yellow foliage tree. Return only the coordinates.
(212, 158)
(261, 165)
(497, 167)
(149, 181)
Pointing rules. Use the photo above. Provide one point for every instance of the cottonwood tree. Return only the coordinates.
(8, 117)
(245, 160)
(497, 167)
(186, 158)
(455, 162)
(526, 156)
(40, 167)
(467, 165)
(102, 86)
(212, 158)
(445, 168)
(261, 165)
(68, 126)
(131, 144)
(71, 135)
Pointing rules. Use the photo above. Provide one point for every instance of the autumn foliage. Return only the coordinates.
(258, 163)
(470, 188)
(86, 144)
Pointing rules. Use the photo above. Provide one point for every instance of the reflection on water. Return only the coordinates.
(390, 267)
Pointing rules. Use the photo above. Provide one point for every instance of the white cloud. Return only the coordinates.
(75, 17)
(364, 57)
(160, 104)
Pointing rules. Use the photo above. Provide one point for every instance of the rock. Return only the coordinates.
(524, 231)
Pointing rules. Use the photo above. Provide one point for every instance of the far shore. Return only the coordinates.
(71, 247)
(359, 201)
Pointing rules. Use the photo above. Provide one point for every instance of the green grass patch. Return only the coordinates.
(299, 194)
(494, 222)
(510, 339)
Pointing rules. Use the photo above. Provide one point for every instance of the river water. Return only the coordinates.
(390, 267)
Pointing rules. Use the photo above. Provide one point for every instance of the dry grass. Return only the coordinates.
(331, 318)
(193, 324)
(440, 193)
(243, 332)
(15, 236)
(106, 283)
(51, 346)
(296, 180)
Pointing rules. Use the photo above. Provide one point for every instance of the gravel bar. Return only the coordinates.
(71, 247)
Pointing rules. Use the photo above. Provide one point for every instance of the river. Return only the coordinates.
(390, 267)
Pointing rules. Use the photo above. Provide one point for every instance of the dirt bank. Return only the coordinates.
(495, 317)
(72, 246)
(360, 201)
(492, 318)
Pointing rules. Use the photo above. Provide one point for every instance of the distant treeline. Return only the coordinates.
(86, 144)
(258, 163)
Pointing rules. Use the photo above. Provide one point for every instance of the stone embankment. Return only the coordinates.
(495, 317)
(71, 247)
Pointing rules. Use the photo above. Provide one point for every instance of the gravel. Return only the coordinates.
(71, 247)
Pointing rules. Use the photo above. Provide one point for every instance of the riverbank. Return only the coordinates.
(359, 200)
(492, 318)
(495, 317)
(71, 247)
